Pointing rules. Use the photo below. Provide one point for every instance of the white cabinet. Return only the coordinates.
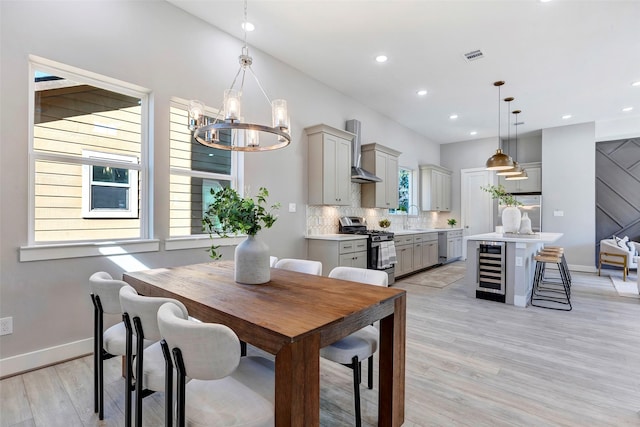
(449, 245)
(435, 188)
(329, 165)
(531, 185)
(334, 253)
(383, 162)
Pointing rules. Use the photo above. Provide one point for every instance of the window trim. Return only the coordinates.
(413, 189)
(56, 250)
(236, 179)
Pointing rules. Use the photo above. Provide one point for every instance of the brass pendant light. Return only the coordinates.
(520, 173)
(499, 161)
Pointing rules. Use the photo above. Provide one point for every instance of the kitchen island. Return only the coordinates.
(518, 265)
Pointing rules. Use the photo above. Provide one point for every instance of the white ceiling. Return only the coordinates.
(560, 57)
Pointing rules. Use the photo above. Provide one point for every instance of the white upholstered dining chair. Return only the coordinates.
(224, 388)
(300, 265)
(105, 296)
(140, 315)
(351, 350)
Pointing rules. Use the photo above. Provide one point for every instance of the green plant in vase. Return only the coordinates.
(500, 193)
(452, 222)
(510, 214)
(229, 213)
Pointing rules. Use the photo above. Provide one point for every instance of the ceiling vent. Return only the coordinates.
(474, 55)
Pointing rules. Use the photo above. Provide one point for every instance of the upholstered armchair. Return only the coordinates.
(617, 252)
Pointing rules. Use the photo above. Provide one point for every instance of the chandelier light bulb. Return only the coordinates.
(231, 105)
(279, 113)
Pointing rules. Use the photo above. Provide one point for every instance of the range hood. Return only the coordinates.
(358, 174)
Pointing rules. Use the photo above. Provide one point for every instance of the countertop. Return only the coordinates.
(337, 237)
(423, 230)
(344, 237)
(535, 238)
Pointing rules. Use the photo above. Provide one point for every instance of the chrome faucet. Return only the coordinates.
(406, 218)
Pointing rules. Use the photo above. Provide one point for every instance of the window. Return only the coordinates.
(88, 155)
(406, 195)
(195, 171)
(109, 192)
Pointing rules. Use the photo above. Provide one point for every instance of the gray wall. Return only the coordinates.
(150, 44)
(568, 186)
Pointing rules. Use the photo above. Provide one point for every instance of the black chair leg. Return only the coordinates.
(370, 373)
(168, 384)
(139, 369)
(356, 388)
(95, 354)
(127, 368)
(180, 397)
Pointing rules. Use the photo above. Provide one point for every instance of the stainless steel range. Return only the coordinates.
(381, 253)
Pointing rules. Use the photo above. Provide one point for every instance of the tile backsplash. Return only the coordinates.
(324, 219)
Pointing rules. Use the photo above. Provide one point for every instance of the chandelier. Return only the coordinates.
(207, 130)
(499, 161)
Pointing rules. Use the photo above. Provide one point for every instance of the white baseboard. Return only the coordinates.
(44, 357)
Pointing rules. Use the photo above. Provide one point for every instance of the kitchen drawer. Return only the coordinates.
(454, 233)
(430, 237)
(351, 246)
(403, 240)
(418, 238)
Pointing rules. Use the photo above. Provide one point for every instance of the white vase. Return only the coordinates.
(525, 224)
(252, 262)
(511, 219)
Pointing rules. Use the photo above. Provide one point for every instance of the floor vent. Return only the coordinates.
(474, 55)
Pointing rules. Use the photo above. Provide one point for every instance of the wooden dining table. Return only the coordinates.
(292, 317)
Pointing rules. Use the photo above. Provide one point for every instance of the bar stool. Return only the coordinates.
(547, 292)
(560, 250)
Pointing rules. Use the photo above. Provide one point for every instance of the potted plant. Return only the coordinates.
(511, 213)
(452, 222)
(229, 213)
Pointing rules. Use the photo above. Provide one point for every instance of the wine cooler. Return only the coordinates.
(491, 271)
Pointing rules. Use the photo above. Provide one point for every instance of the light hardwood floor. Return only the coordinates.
(469, 363)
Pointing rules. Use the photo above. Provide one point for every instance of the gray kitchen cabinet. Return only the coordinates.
(435, 188)
(425, 250)
(383, 162)
(329, 165)
(449, 245)
(404, 254)
(334, 253)
(531, 185)
(430, 249)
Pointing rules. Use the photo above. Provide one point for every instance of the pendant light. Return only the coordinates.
(499, 161)
(516, 169)
(521, 173)
(207, 131)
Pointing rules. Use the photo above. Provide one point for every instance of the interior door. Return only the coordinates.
(476, 204)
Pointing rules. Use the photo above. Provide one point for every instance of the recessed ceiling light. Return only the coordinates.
(566, 116)
(453, 116)
(381, 58)
(627, 109)
(248, 26)
(545, 1)
(636, 84)
(422, 92)
(473, 132)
